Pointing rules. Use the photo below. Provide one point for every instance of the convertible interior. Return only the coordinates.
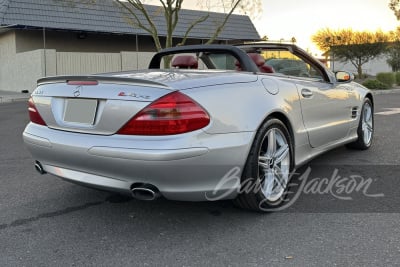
(278, 61)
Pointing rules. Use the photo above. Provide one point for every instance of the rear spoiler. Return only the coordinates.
(102, 79)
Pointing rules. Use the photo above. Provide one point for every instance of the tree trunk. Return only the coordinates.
(167, 61)
(359, 70)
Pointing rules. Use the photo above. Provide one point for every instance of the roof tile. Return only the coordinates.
(107, 16)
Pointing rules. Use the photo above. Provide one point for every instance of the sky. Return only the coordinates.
(303, 18)
(284, 19)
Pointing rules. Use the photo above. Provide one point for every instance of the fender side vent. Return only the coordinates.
(354, 112)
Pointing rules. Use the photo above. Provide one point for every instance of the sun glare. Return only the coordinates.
(285, 19)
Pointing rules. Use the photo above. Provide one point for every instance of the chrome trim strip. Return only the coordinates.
(88, 179)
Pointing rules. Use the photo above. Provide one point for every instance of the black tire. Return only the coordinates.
(254, 176)
(364, 142)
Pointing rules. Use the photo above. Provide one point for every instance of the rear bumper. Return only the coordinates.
(187, 167)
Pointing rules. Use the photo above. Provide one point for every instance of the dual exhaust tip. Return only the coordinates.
(39, 168)
(139, 191)
(145, 192)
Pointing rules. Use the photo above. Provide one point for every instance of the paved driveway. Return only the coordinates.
(45, 221)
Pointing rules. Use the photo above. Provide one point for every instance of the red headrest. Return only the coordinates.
(257, 58)
(185, 61)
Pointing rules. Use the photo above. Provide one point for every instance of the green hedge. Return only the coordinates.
(375, 84)
(397, 75)
(387, 78)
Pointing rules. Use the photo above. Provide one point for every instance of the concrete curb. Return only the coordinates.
(383, 92)
(16, 98)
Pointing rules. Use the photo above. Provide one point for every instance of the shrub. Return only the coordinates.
(397, 75)
(362, 77)
(386, 78)
(375, 84)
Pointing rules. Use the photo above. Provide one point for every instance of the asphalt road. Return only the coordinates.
(45, 221)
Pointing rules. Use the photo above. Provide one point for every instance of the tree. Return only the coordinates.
(393, 50)
(357, 47)
(248, 7)
(393, 55)
(171, 9)
(138, 15)
(394, 5)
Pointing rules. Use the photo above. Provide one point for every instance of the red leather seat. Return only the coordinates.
(185, 62)
(260, 62)
(257, 58)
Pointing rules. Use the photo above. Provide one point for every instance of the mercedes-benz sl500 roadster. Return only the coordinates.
(201, 123)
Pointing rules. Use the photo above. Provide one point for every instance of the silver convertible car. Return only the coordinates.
(204, 122)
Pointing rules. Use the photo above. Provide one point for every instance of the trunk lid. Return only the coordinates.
(102, 104)
(93, 104)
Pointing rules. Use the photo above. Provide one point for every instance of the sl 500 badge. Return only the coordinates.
(134, 95)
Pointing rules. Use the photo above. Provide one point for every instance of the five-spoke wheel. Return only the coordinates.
(267, 168)
(365, 131)
(274, 164)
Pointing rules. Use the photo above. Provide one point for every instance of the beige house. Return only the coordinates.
(54, 37)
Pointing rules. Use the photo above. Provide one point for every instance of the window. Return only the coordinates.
(286, 63)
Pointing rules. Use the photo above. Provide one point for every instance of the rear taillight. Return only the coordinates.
(174, 113)
(34, 114)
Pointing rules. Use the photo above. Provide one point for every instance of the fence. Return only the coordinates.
(21, 71)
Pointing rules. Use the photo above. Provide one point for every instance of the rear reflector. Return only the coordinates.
(34, 114)
(174, 113)
(82, 82)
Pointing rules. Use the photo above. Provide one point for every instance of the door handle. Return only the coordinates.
(306, 93)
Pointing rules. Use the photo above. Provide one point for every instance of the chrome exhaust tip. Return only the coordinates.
(146, 192)
(39, 168)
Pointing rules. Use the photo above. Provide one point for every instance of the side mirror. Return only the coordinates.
(344, 76)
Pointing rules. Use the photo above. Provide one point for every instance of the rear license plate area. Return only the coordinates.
(81, 111)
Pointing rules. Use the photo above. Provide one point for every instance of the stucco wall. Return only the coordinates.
(371, 68)
(27, 68)
(7, 53)
(7, 45)
(18, 71)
